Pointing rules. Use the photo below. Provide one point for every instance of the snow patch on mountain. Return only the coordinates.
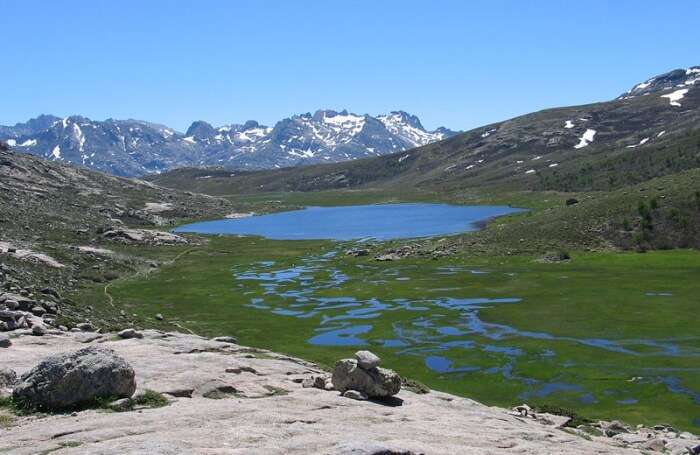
(586, 139)
(675, 96)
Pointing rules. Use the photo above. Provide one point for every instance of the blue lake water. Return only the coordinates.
(379, 221)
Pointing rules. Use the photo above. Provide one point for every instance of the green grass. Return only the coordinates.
(593, 296)
(148, 398)
(6, 420)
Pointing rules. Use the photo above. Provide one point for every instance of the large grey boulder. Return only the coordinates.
(374, 382)
(75, 379)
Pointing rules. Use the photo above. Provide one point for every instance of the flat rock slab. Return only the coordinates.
(265, 413)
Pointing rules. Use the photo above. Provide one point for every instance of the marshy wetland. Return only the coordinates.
(609, 335)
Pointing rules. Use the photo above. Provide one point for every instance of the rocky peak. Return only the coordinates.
(31, 126)
(678, 78)
(250, 124)
(200, 130)
(407, 118)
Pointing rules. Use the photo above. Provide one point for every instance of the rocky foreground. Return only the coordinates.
(223, 398)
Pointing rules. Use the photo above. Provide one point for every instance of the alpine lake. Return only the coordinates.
(607, 335)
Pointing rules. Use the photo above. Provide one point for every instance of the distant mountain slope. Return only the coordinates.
(133, 147)
(651, 131)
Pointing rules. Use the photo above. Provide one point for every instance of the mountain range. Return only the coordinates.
(135, 147)
(649, 131)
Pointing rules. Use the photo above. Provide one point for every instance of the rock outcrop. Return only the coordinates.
(225, 398)
(143, 236)
(70, 380)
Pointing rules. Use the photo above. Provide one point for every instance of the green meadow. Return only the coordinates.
(609, 335)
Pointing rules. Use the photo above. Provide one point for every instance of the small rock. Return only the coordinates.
(215, 390)
(87, 337)
(523, 410)
(356, 252)
(656, 445)
(615, 427)
(226, 339)
(159, 317)
(355, 395)
(120, 405)
(85, 327)
(238, 369)
(129, 333)
(364, 447)
(5, 341)
(8, 378)
(387, 257)
(367, 360)
(317, 382)
(38, 330)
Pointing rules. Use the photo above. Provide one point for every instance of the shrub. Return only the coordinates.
(626, 225)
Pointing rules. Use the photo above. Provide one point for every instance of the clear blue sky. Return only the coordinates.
(456, 63)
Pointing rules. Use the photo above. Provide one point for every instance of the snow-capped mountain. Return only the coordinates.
(679, 79)
(134, 147)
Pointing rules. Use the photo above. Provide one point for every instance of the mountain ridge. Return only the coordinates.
(598, 146)
(136, 147)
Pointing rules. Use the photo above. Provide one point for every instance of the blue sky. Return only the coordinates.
(455, 63)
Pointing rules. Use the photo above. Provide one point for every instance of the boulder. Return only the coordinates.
(38, 311)
(75, 379)
(356, 252)
(85, 327)
(375, 382)
(51, 292)
(8, 378)
(367, 360)
(5, 341)
(129, 333)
